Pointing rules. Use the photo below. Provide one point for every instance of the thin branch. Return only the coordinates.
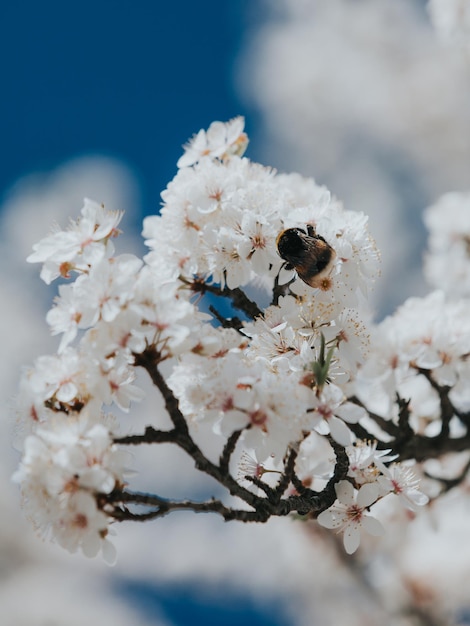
(149, 359)
(314, 502)
(151, 435)
(226, 322)
(404, 429)
(447, 410)
(288, 474)
(238, 298)
(164, 507)
(227, 452)
(115, 503)
(269, 491)
(421, 448)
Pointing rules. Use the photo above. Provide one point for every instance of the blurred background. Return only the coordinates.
(98, 99)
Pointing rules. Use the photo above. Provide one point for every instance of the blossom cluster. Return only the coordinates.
(446, 264)
(105, 316)
(65, 462)
(290, 371)
(451, 19)
(373, 475)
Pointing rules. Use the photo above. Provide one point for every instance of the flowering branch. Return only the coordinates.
(264, 507)
(319, 410)
(306, 502)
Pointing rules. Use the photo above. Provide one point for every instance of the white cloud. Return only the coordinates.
(39, 594)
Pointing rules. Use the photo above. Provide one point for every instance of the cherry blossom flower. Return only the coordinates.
(366, 462)
(219, 141)
(424, 334)
(348, 515)
(60, 377)
(330, 411)
(85, 242)
(400, 480)
(65, 463)
(248, 465)
(82, 525)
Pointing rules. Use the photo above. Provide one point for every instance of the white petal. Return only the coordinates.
(345, 492)
(368, 494)
(91, 545)
(429, 359)
(339, 431)
(331, 519)
(372, 526)
(351, 539)
(413, 499)
(350, 412)
(109, 552)
(66, 392)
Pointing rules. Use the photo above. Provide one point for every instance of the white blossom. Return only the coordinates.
(331, 411)
(65, 463)
(429, 333)
(296, 373)
(366, 462)
(86, 242)
(219, 141)
(348, 515)
(446, 264)
(400, 480)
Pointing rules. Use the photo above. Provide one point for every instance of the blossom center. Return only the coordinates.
(80, 520)
(354, 513)
(258, 418)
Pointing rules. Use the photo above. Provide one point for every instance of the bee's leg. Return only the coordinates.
(284, 289)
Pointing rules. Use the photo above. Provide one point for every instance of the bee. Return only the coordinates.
(307, 253)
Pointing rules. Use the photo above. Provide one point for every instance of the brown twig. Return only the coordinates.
(237, 296)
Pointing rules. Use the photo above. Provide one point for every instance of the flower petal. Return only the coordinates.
(351, 539)
(350, 412)
(345, 492)
(368, 494)
(372, 526)
(331, 519)
(339, 431)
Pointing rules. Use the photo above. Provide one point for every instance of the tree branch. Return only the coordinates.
(238, 298)
(405, 442)
(263, 507)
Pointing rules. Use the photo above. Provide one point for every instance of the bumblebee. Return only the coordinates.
(307, 253)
